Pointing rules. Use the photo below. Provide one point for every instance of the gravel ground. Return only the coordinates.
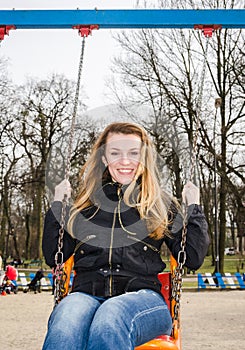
(209, 320)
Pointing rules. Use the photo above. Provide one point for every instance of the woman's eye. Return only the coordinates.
(135, 153)
(114, 154)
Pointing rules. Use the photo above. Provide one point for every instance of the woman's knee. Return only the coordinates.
(109, 317)
(74, 308)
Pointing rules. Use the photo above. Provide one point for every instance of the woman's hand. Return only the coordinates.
(62, 190)
(190, 194)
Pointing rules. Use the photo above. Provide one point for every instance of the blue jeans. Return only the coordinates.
(81, 321)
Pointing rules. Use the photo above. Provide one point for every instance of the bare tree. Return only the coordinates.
(34, 140)
(162, 69)
(8, 156)
(43, 116)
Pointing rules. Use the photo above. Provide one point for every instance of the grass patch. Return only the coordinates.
(232, 264)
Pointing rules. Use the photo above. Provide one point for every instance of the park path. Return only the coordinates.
(213, 320)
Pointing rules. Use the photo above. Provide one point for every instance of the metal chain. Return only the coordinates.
(198, 113)
(179, 271)
(59, 273)
(76, 100)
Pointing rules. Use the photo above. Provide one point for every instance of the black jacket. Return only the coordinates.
(113, 253)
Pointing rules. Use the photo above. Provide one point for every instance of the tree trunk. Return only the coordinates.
(28, 236)
(223, 190)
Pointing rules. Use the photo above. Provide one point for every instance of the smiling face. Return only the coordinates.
(122, 155)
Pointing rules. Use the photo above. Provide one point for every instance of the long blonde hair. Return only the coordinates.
(152, 202)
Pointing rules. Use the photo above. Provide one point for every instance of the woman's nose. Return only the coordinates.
(124, 159)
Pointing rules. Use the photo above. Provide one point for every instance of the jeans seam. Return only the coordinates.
(145, 312)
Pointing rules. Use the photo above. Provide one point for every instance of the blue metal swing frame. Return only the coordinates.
(120, 19)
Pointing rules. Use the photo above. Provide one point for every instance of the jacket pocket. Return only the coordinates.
(85, 240)
(146, 244)
(142, 258)
(89, 255)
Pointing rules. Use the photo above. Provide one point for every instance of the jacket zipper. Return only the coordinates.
(145, 243)
(110, 249)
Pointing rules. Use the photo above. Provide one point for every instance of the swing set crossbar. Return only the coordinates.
(122, 19)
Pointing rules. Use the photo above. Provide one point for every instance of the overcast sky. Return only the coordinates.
(39, 53)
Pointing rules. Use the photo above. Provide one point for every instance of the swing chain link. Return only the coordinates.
(59, 258)
(74, 114)
(60, 275)
(179, 270)
(198, 113)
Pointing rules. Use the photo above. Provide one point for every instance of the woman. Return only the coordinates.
(116, 227)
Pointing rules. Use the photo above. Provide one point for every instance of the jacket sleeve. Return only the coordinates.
(197, 238)
(51, 235)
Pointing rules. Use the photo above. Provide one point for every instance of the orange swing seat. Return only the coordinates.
(166, 342)
(163, 342)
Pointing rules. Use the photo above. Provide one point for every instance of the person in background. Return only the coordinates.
(1, 261)
(1, 269)
(115, 229)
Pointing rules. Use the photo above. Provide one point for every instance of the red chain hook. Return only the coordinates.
(85, 30)
(4, 30)
(208, 29)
